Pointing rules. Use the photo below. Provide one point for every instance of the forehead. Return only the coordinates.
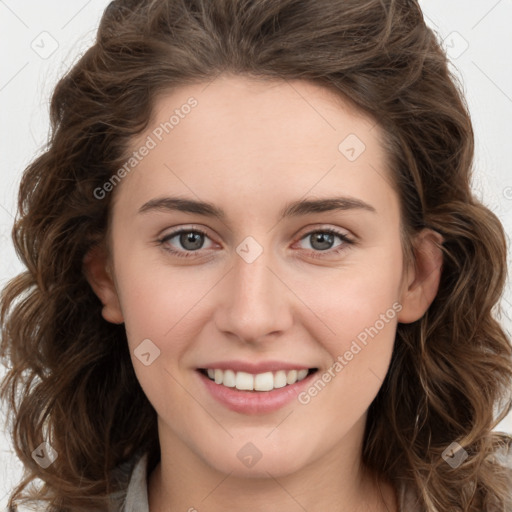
(241, 137)
(253, 111)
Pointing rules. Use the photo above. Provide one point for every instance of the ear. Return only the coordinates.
(96, 268)
(422, 277)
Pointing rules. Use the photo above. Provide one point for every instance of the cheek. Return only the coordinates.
(161, 303)
(357, 302)
(361, 311)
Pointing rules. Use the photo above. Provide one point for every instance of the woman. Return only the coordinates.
(257, 277)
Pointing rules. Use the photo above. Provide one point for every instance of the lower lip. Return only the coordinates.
(255, 402)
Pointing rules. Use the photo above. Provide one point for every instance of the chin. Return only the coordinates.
(247, 459)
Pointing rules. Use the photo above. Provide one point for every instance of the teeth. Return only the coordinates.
(264, 381)
(243, 381)
(280, 379)
(291, 377)
(260, 382)
(229, 379)
(301, 374)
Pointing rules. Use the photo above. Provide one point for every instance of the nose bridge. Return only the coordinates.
(252, 278)
(255, 305)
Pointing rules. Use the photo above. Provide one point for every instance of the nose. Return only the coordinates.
(254, 301)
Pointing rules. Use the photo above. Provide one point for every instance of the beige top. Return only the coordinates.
(137, 492)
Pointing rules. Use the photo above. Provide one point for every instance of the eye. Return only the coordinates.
(321, 241)
(191, 240)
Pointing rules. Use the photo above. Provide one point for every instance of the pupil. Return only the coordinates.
(194, 238)
(322, 237)
(321, 241)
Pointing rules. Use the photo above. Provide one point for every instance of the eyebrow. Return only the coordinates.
(293, 209)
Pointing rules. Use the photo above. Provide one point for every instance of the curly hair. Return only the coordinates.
(70, 379)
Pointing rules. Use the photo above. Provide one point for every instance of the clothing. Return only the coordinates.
(137, 494)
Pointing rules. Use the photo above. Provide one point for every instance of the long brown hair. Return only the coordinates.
(70, 379)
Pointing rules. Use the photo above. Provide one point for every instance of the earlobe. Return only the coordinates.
(97, 271)
(424, 276)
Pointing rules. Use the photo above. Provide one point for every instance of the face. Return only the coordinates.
(260, 286)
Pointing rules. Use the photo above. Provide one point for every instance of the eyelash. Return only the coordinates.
(315, 254)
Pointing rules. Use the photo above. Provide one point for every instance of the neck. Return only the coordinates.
(183, 482)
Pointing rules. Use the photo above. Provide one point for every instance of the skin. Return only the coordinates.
(251, 147)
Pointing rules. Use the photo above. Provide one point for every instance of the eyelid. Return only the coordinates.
(325, 227)
(347, 241)
(183, 229)
(346, 237)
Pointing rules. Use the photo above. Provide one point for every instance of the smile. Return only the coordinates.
(266, 381)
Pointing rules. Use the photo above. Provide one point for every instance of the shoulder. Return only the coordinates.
(133, 474)
(408, 499)
(131, 477)
(503, 456)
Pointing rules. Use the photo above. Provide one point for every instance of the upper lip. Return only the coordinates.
(254, 368)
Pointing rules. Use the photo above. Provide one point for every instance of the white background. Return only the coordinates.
(40, 40)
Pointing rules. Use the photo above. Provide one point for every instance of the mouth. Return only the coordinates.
(256, 382)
